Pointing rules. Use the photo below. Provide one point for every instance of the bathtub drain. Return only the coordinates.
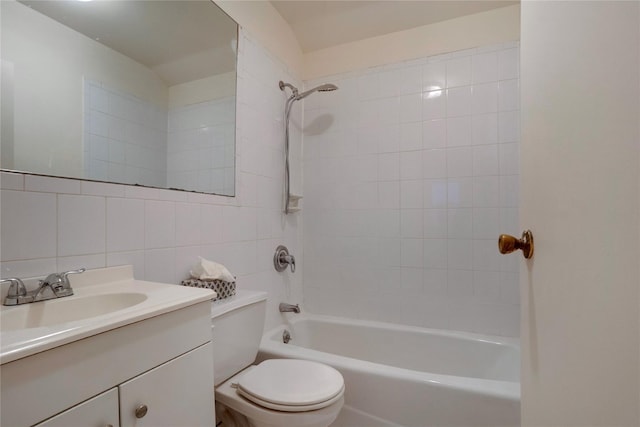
(286, 337)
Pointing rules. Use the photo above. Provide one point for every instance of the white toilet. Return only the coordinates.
(276, 392)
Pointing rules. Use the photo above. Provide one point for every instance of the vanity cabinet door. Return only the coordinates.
(100, 411)
(178, 393)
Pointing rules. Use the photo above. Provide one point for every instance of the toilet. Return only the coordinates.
(275, 392)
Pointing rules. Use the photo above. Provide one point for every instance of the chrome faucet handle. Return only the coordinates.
(17, 288)
(291, 260)
(17, 293)
(65, 276)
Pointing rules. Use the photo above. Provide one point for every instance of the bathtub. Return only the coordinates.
(408, 376)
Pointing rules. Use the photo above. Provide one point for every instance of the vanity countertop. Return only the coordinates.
(149, 299)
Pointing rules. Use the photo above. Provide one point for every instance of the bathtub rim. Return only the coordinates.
(491, 339)
(271, 346)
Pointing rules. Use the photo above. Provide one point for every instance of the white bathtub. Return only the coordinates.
(407, 376)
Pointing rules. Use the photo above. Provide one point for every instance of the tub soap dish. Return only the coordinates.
(294, 205)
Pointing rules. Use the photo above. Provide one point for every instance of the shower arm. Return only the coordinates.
(290, 86)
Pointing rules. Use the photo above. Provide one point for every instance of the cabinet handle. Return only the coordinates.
(141, 411)
(109, 425)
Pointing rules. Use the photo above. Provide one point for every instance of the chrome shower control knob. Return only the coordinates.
(282, 259)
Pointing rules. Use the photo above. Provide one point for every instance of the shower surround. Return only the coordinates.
(411, 172)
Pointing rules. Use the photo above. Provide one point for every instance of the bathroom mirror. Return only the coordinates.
(131, 92)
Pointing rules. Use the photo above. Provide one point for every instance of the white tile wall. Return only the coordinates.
(126, 224)
(132, 141)
(200, 146)
(125, 138)
(411, 170)
(81, 225)
(50, 224)
(38, 237)
(404, 227)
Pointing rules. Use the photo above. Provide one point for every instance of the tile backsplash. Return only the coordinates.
(54, 224)
(410, 174)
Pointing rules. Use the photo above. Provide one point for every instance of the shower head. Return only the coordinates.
(327, 87)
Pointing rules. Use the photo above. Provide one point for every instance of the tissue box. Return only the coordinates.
(220, 287)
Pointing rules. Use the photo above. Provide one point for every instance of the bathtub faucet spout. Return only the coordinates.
(289, 308)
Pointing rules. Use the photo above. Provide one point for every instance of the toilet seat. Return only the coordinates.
(291, 385)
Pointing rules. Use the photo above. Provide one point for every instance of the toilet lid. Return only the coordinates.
(291, 408)
(285, 383)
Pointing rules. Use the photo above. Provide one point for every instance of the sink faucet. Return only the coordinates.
(58, 283)
(289, 308)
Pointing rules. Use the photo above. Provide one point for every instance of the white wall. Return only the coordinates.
(480, 29)
(263, 20)
(410, 174)
(202, 90)
(48, 134)
(6, 113)
(50, 224)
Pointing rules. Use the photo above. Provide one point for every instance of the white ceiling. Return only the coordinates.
(322, 24)
(182, 40)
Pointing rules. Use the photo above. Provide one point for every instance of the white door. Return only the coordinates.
(580, 191)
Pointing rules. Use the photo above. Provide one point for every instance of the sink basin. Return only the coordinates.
(69, 309)
(104, 299)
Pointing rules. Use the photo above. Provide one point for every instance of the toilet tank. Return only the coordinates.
(236, 330)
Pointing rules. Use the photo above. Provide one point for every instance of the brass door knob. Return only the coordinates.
(508, 244)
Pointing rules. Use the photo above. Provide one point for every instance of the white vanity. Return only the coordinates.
(119, 352)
